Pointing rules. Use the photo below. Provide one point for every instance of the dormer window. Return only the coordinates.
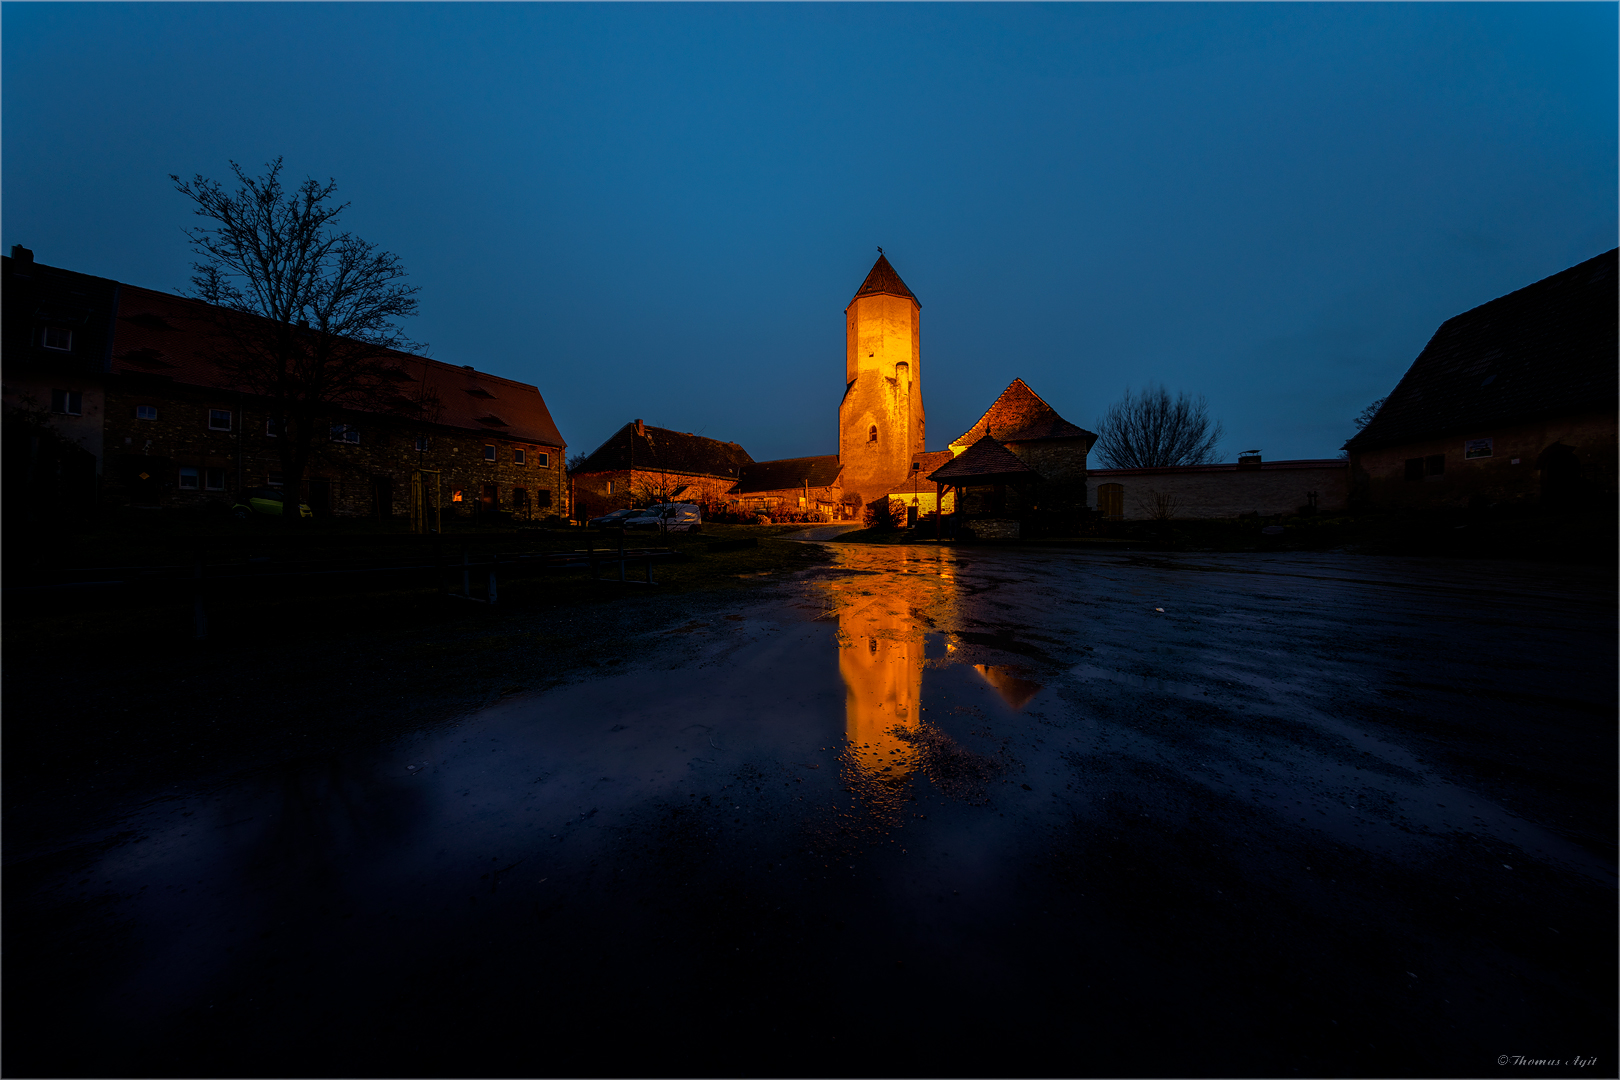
(58, 337)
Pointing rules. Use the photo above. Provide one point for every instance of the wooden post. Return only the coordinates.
(939, 510)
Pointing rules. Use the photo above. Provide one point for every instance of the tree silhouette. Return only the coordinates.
(305, 316)
(1156, 431)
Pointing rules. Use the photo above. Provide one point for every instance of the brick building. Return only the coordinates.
(171, 429)
(638, 465)
(809, 484)
(1513, 402)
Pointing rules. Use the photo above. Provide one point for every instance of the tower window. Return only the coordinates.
(871, 433)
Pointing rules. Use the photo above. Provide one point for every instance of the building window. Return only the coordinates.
(455, 496)
(517, 456)
(70, 402)
(610, 487)
(421, 444)
(542, 498)
(273, 428)
(214, 479)
(489, 453)
(1414, 468)
(346, 433)
(188, 479)
(1477, 448)
(146, 412)
(1111, 501)
(871, 433)
(1434, 465)
(542, 459)
(219, 419)
(57, 337)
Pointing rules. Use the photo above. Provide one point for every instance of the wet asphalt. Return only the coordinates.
(923, 812)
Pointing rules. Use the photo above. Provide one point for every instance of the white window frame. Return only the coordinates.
(489, 451)
(45, 338)
(517, 457)
(421, 444)
(542, 459)
(149, 408)
(72, 402)
(213, 414)
(194, 475)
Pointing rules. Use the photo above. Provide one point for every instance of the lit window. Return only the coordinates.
(489, 453)
(70, 402)
(219, 419)
(57, 337)
(421, 443)
(188, 479)
(146, 412)
(214, 479)
(346, 433)
(455, 496)
(543, 460)
(517, 457)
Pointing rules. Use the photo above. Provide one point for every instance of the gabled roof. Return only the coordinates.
(985, 462)
(1548, 349)
(818, 472)
(172, 337)
(882, 279)
(660, 449)
(1019, 415)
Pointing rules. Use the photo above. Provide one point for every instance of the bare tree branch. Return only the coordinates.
(1156, 431)
(305, 316)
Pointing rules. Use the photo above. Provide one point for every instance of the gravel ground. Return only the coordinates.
(920, 811)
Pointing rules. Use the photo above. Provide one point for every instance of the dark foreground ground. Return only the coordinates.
(921, 812)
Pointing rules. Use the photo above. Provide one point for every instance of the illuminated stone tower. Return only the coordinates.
(880, 420)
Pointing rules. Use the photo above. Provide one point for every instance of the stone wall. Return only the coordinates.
(1223, 491)
(1503, 472)
(883, 376)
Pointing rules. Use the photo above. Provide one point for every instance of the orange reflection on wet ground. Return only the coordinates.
(881, 657)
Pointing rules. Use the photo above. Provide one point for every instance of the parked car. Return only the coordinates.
(669, 517)
(265, 500)
(615, 518)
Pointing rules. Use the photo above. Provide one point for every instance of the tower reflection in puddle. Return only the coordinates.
(882, 654)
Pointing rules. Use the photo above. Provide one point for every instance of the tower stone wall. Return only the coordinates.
(880, 420)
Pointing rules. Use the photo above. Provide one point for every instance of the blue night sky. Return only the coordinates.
(661, 211)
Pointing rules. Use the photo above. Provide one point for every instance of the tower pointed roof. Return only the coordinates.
(883, 279)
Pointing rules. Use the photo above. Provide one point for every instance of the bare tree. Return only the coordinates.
(305, 315)
(1364, 417)
(1155, 431)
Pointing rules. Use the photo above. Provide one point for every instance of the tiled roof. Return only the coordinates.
(1019, 415)
(818, 472)
(661, 449)
(1547, 349)
(883, 279)
(928, 462)
(172, 337)
(985, 461)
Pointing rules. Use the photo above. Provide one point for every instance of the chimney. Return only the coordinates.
(21, 254)
(641, 430)
(1249, 459)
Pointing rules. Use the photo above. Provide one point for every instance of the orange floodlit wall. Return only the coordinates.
(883, 370)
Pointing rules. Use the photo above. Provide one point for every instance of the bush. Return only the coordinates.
(761, 519)
(885, 515)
